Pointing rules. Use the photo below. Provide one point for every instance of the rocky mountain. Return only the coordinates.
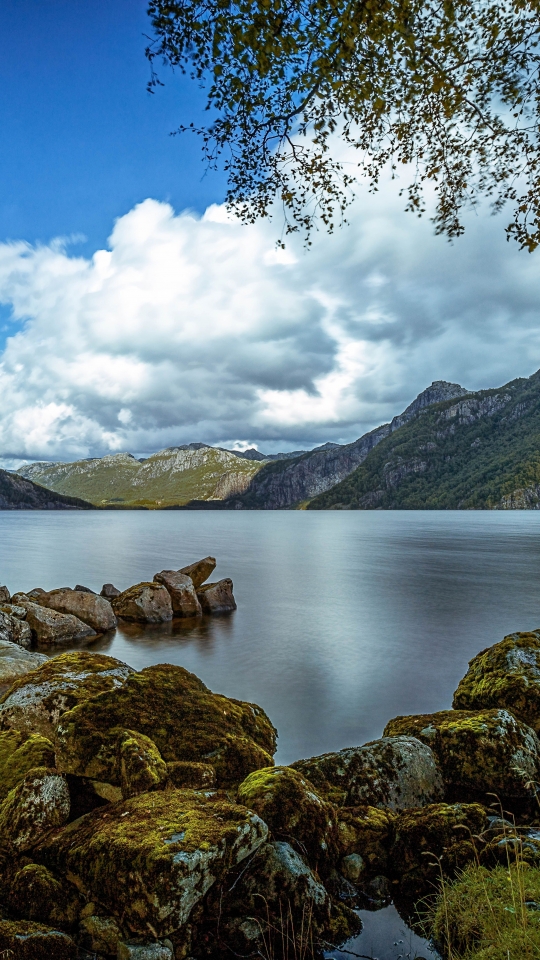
(17, 493)
(481, 451)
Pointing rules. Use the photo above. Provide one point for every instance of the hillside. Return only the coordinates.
(169, 477)
(479, 452)
(16, 493)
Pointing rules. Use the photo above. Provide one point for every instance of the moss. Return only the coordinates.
(25, 940)
(294, 812)
(180, 715)
(505, 675)
(129, 759)
(490, 914)
(479, 752)
(368, 832)
(35, 806)
(35, 894)
(194, 776)
(19, 754)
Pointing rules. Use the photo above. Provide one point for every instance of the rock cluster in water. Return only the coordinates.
(141, 815)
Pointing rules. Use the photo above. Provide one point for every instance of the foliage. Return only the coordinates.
(447, 86)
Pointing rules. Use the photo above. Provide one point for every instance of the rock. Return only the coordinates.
(20, 753)
(191, 775)
(288, 803)
(16, 662)
(35, 806)
(87, 606)
(199, 571)
(13, 610)
(100, 935)
(153, 857)
(394, 772)
(109, 591)
(175, 710)
(182, 593)
(24, 940)
(478, 752)
(217, 597)
(35, 894)
(4, 595)
(145, 950)
(367, 833)
(49, 627)
(35, 703)
(505, 675)
(145, 602)
(352, 867)
(35, 593)
(131, 761)
(80, 589)
(15, 630)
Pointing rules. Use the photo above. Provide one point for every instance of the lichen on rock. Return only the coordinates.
(19, 753)
(38, 804)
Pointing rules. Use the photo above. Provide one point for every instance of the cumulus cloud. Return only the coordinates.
(196, 328)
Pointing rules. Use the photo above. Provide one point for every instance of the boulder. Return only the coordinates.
(182, 593)
(217, 597)
(100, 935)
(50, 627)
(35, 894)
(79, 588)
(293, 811)
(15, 630)
(191, 775)
(145, 603)
(16, 662)
(505, 675)
(109, 591)
(395, 773)
(128, 764)
(199, 571)
(153, 857)
(145, 950)
(478, 752)
(24, 940)
(38, 804)
(366, 834)
(175, 710)
(87, 606)
(13, 610)
(35, 702)
(4, 595)
(20, 753)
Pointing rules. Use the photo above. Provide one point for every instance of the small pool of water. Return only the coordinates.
(385, 936)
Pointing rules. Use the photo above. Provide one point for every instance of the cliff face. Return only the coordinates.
(17, 493)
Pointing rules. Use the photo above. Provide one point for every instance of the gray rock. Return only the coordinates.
(145, 603)
(14, 630)
(15, 662)
(109, 591)
(49, 627)
(13, 610)
(99, 934)
(147, 950)
(4, 595)
(199, 571)
(352, 867)
(82, 589)
(38, 804)
(84, 604)
(182, 593)
(217, 597)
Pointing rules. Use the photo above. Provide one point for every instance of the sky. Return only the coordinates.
(136, 314)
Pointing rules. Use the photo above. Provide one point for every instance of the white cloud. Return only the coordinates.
(193, 328)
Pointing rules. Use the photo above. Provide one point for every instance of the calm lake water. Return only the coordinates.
(344, 620)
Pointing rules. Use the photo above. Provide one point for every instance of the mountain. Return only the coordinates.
(168, 478)
(16, 493)
(481, 451)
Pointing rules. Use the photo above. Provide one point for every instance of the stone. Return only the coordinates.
(100, 935)
(368, 833)
(13, 610)
(109, 591)
(25, 940)
(217, 597)
(290, 806)
(133, 764)
(478, 752)
(195, 776)
(49, 627)
(35, 703)
(16, 662)
(145, 603)
(152, 858)
(20, 753)
(35, 894)
(38, 804)
(177, 712)
(145, 950)
(35, 593)
(505, 675)
(84, 604)
(15, 630)
(352, 867)
(80, 589)
(5, 596)
(182, 593)
(395, 773)
(199, 571)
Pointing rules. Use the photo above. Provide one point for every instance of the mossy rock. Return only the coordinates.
(393, 772)
(19, 753)
(35, 894)
(191, 775)
(367, 832)
(99, 935)
(35, 702)
(149, 860)
(294, 812)
(175, 710)
(127, 763)
(39, 803)
(25, 940)
(479, 752)
(505, 675)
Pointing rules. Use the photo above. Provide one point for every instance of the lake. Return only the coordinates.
(344, 620)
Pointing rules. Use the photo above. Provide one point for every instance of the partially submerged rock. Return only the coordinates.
(95, 611)
(20, 753)
(505, 675)
(49, 627)
(35, 702)
(16, 662)
(181, 591)
(217, 597)
(479, 752)
(34, 807)
(144, 603)
(199, 571)
(394, 772)
(152, 858)
(175, 710)
(24, 940)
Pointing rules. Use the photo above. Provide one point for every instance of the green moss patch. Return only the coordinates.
(24, 940)
(35, 894)
(19, 754)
